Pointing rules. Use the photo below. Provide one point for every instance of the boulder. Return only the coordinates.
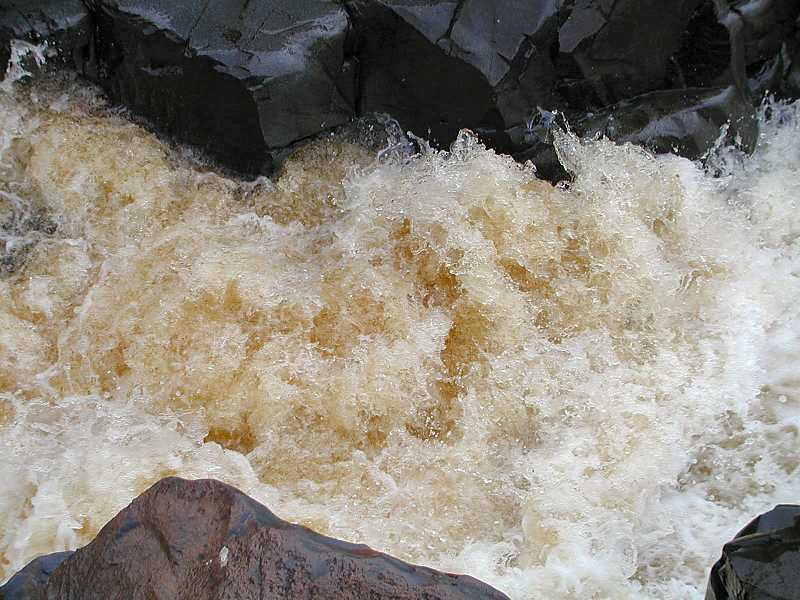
(763, 561)
(204, 540)
(441, 66)
(684, 121)
(789, 59)
(619, 49)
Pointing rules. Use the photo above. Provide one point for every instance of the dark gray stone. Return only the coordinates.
(244, 80)
(604, 64)
(686, 122)
(618, 49)
(30, 583)
(237, 79)
(64, 24)
(763, 561)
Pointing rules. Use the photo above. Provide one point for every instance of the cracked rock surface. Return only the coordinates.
(204, 540)
(242, 80)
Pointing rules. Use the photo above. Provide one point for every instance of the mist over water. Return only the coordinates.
(573, 391)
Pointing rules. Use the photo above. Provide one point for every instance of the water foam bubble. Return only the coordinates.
(565, 391)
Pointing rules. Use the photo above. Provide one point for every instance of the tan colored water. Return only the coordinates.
(577, 392)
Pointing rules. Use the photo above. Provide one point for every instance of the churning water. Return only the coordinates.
(575, 391)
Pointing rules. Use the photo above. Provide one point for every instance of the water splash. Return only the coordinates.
(16, 71)
(579, 391)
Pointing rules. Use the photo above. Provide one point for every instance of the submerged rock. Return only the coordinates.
(245, 80)
(203, 539)
(763, 561)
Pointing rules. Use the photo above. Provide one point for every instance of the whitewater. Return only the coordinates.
(580, 390)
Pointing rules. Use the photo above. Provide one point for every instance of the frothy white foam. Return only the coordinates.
(15, 70)
(580, 391)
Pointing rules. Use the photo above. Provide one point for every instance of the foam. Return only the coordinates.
(574, 391)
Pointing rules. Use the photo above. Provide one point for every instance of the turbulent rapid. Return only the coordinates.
(571, 391)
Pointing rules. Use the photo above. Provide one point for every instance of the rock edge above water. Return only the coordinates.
(205, 540)
(242, 80)
(762, 562)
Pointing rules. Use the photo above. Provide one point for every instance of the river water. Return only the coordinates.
(574, 391)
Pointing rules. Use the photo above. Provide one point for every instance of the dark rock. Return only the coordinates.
(620, 48)
(765, 27)
(441, 66)
(198, 540)
(603, 64)
(64, 24)
(686, 122)
(31, 582)
(763, 561)
(238, 79)
(790, 59)
(704, 56)
(244, 81)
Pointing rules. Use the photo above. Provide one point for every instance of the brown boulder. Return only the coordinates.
(203, 539)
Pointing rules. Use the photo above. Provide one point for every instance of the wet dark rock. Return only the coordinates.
(204, 540)
(620, 48)
(438, 67)
(686, 122)
(31, 582)
(237, 79)
(763, 561)
(790, 64)
(64, 24)
(765, 27)
(245, 81)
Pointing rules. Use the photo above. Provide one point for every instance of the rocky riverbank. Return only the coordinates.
(245, 82)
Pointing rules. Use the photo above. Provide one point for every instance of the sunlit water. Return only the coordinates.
(571, 392)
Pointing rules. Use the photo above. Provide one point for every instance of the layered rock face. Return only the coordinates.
(244, 80)
(198, 540)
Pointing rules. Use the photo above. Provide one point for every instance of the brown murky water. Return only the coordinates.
(566, 392)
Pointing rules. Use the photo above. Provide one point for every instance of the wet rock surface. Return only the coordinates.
(206, 540)
(243, 80)
(238, 79)
(763, 561)
(31, 582)
(65, 25)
